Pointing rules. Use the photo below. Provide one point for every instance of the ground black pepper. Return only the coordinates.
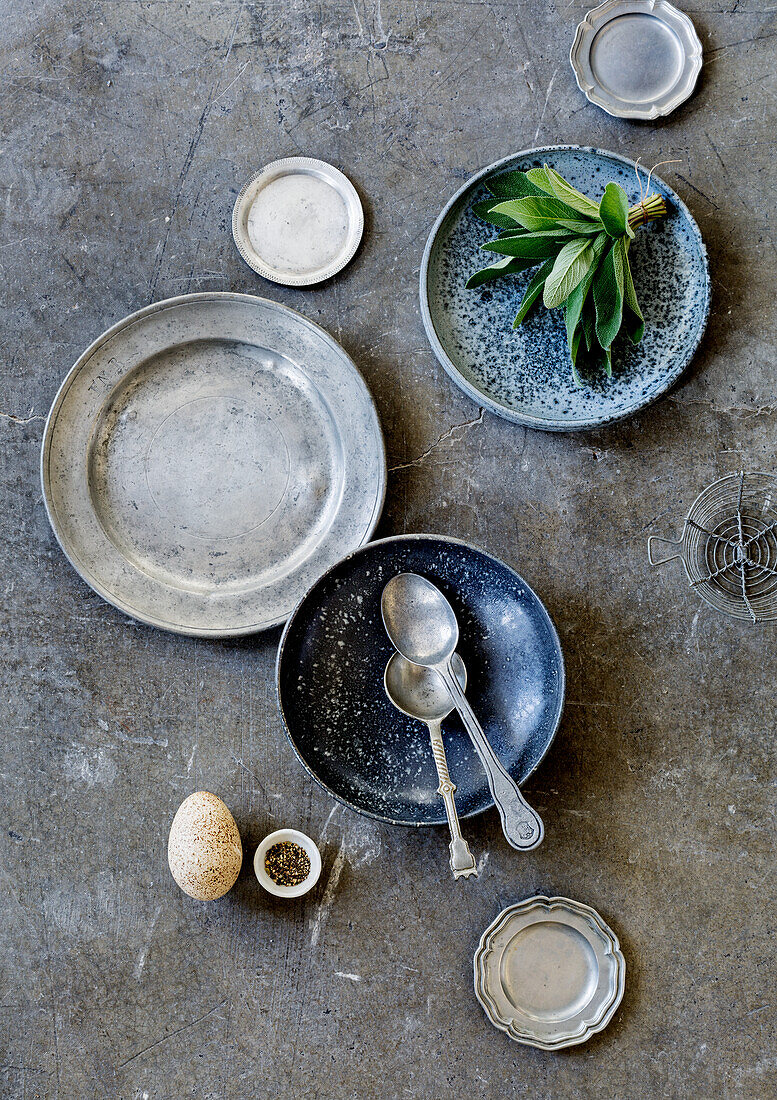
(287, 863)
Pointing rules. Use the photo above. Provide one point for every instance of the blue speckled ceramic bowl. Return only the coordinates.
(525, 374)
(330, 681)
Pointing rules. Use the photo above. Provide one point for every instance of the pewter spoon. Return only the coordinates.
(420, 693)
(423, 627)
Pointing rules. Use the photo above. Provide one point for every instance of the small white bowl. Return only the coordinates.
(294, 837)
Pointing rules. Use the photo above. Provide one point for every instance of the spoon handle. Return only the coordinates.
(521, 825)
(462, 861)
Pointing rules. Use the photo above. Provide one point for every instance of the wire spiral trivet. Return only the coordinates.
(729, 546)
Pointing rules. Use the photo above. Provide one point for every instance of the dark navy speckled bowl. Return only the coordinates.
(330, 681)
(525, 374)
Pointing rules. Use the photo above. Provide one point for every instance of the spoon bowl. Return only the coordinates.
(419, 620)
(420, 692)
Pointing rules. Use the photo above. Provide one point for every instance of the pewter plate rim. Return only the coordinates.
(82, 570)
(589, 915)
(307, 166)
(670, 16)
(482, 397)
(416, 537)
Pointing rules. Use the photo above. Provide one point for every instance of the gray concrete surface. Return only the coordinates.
(128, 128)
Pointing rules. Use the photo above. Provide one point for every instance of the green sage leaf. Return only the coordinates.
(483, 210)
(538, 177)
(632, 314)
(572, 264)
(533, 291)
(574, 351)
(581, 228)
(508, 265)
(535, 212)
(588, 322)
(512, 185)
(537, 245)
(608, 294)
(614, 211)
(568, 194)
(577, 299)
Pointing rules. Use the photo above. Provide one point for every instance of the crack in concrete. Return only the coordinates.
(189, 158)
(450, 434)
(21, 419)
(172, 1034)
(734, 410)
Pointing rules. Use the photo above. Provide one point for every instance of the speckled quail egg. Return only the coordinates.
(204, 849)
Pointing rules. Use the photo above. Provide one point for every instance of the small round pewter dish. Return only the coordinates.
(549, 972)
(298, 221)
(292, 836)
(637, 59)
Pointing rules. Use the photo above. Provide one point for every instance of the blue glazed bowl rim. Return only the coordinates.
(419, 537)
(480, 396)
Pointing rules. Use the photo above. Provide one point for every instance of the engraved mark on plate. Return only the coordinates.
(217, 467)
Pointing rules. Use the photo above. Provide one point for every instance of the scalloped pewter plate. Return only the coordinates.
(636, 59)
(549, 972)
(207, 459)
(298, 221)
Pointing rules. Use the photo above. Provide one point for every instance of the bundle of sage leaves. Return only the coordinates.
(582, 247)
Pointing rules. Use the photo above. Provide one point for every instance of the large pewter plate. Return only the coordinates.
(524, 374)
(549, 972)
(208, 458)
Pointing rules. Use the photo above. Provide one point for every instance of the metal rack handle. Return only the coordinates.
(669, 542)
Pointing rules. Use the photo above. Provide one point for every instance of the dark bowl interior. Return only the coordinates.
(330, 681)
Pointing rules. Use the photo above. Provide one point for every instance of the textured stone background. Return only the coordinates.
(127, 129)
